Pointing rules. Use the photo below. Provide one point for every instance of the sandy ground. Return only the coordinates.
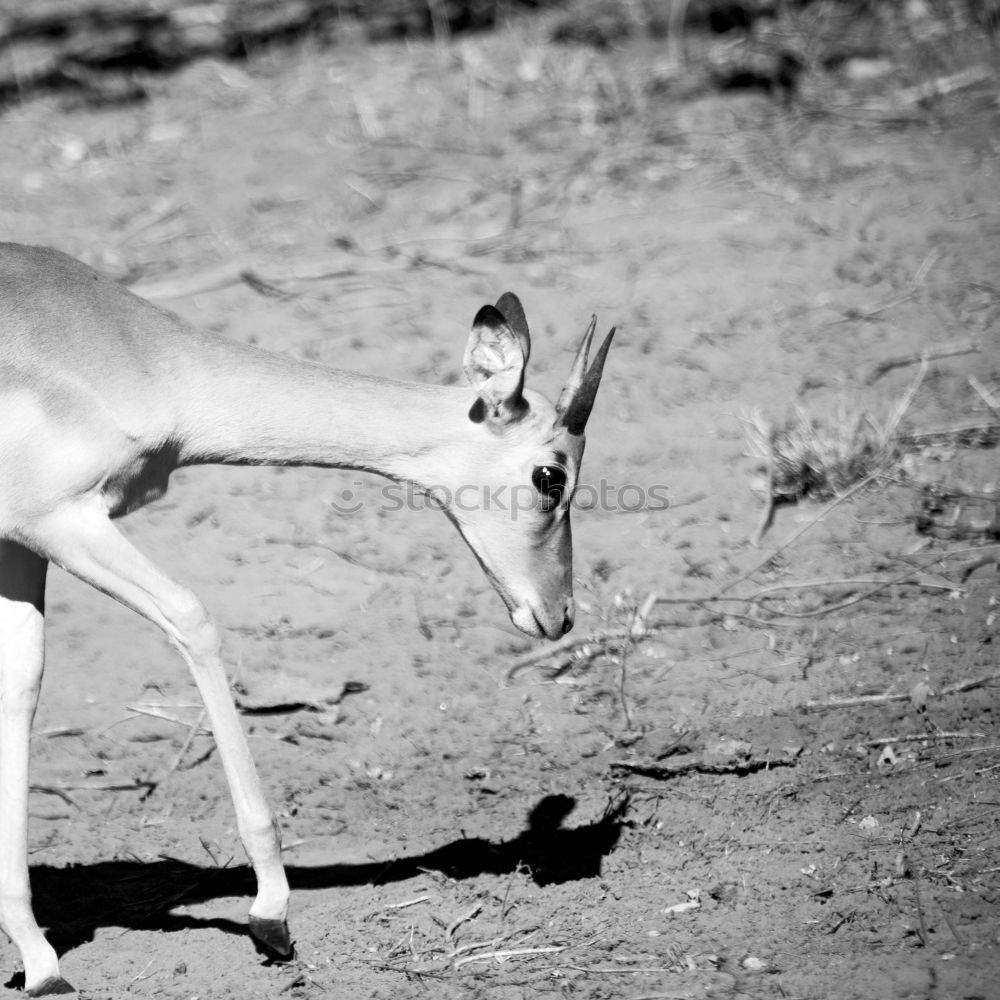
(453, 830)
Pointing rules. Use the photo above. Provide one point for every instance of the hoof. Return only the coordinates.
(272, 938)
(50, 987)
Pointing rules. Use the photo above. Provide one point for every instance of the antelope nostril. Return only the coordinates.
(567, 623)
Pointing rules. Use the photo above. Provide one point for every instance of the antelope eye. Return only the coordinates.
(550, 482)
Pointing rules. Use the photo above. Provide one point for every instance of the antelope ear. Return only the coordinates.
(494, 365)
(509, 305)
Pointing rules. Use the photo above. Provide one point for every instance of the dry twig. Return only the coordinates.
(883, 741)
(888, 696)
(951, 350)
(846, 495)
(105, 786)
(58, 792)
(407, 903)
(994, 408)
(770, 503)
(193, 731)
(903, 579)
(463, 918)
(699, 764)
(503, 955)
(160, 712)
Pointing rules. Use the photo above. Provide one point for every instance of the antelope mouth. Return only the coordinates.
(539, 626)
(526, 616)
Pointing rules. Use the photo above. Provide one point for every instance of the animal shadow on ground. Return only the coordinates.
(73, 902)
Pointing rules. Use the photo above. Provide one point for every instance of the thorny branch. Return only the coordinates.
(577, 650)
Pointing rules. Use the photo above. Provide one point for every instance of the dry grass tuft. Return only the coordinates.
(809, 458)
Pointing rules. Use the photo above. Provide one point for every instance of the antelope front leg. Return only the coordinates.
(22, 611)
(85, 542)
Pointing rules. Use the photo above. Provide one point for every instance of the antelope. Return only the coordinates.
(103, 395)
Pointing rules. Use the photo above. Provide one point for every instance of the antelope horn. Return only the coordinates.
(578, 370)
(577, 398)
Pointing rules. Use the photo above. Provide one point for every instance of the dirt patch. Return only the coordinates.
(450, 832)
